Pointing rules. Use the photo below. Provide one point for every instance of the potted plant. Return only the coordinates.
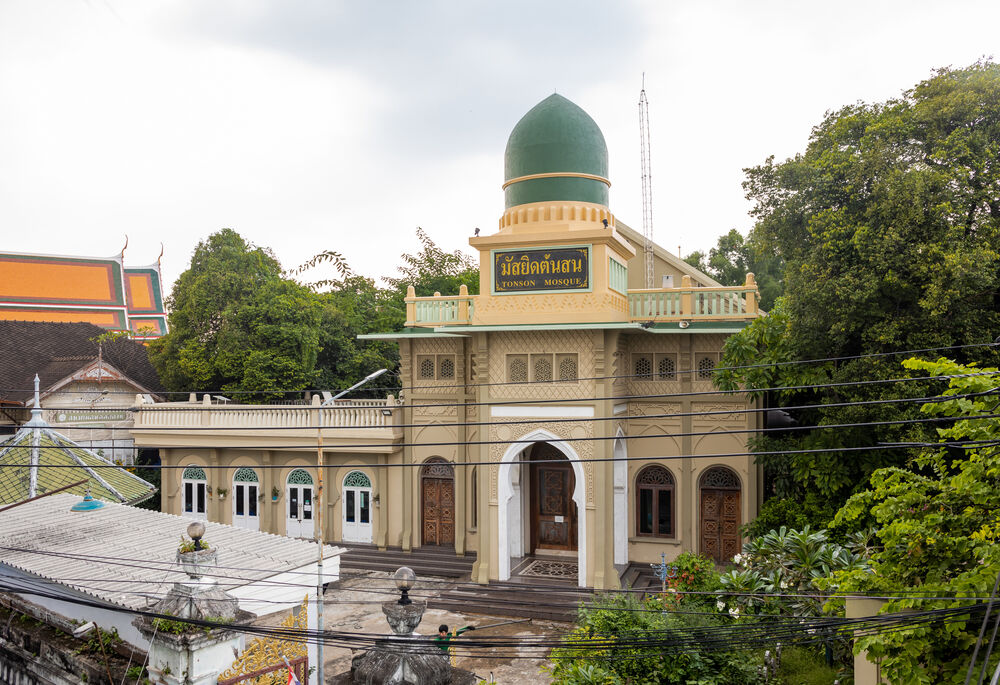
(222, 492)
(275, 493)
(208, 490)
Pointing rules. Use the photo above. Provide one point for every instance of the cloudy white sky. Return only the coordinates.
(322, 124)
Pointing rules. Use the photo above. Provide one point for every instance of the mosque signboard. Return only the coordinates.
(560, 268)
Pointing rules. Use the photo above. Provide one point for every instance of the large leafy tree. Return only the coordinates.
(734, 256)
(889, 226)
(236, 325)
(939, 533)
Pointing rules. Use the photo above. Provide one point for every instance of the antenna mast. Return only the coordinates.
(647, 192)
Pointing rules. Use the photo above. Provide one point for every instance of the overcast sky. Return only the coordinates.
(316, 124)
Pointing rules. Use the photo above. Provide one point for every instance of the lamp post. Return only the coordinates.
(321, 516)
(404, 577)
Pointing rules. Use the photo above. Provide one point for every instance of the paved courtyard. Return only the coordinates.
(355, 605)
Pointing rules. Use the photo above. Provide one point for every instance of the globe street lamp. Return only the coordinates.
(404, 577)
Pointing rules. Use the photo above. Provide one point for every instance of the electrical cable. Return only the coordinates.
(792, 362)
(763, 633)
(518, 587)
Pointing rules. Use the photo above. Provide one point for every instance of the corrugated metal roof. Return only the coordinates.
(124, 555)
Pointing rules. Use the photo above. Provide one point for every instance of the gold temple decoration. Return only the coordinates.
(268, 651)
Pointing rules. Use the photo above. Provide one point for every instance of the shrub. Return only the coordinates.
(622, 640)
(775, 513)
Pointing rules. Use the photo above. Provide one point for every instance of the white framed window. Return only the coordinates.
(194, 486)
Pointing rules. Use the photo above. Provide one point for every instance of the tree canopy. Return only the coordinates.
(240, 325)
(888, 227)
(236, 325)
(733, 256)
(939, 532)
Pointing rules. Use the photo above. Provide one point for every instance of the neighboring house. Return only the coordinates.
(101, 291)
(565, 413)
(87, 386)
(39, 460)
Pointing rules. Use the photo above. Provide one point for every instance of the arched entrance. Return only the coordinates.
(298, 497)
(518, 534)
(552, 511)
(357, 498)
(720, 514)
(193, 488)
(245, 492)
(437, 502)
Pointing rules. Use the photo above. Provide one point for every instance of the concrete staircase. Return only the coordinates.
(523, 597)
(425, 561)
(639, 577)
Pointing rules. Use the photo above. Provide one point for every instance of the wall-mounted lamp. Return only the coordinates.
(683, 324)
(387, 412)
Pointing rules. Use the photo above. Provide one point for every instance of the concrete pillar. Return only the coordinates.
(865, 672)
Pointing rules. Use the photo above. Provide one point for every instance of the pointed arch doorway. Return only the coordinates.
(552, 511)
(437, 502)
(539, 479)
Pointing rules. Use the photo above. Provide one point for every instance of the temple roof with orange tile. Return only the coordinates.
(102, 291)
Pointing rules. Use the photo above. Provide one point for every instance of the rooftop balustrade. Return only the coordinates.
(203, 423)
(686, 303)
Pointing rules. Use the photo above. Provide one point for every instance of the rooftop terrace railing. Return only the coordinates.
(657, 304)
(349, 414)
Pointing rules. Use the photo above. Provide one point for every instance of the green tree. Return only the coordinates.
(434, 270)
(888, 225)
(939, 532)
(236, 325)
(616, 641)
(734, 256)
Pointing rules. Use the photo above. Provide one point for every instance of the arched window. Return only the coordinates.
(356, 479)
(654, 502)
(300, 477)
(193, 486)
(245, 475)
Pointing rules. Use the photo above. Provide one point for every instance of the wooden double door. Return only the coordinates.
(437, 494)
(720, 523)
(553, 511)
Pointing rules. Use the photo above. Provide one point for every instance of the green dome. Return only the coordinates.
(556, 137)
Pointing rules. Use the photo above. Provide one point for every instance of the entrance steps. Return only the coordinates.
(425, 561)
(638, 576)
(521, 597)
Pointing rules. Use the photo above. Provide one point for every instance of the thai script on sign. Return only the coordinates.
(558, 269)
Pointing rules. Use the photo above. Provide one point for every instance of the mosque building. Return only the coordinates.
(567, 412)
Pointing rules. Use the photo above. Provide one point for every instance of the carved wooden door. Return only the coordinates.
(720, 524)
(438, 511)
(553, 510)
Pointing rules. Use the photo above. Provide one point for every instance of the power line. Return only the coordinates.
(458, 386)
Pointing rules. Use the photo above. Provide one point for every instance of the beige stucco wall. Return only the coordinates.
(477, 417)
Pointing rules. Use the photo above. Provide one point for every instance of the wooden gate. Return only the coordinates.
(437, 488)
(720, 514)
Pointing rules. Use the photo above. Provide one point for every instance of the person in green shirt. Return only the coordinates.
(444, 638)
